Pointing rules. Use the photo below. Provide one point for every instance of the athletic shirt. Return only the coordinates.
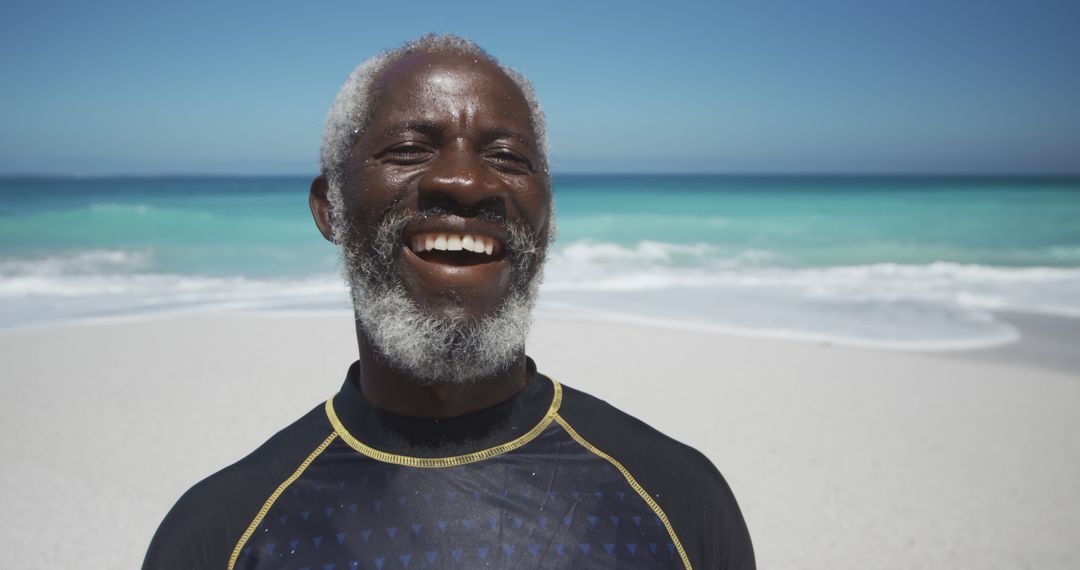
(551, 478)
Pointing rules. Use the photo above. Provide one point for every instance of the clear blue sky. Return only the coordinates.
(941, 86)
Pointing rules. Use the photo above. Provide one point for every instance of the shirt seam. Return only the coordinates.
(451, 461)
(645, 496)
(269, 503)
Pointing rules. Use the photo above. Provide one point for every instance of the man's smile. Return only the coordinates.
(456, 252)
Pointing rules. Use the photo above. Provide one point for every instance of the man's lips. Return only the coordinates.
(455, 240)
(455, 252)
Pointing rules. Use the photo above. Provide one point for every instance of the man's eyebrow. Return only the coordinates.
(422, 127)
(505, 133)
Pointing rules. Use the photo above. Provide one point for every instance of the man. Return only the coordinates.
(445, 448)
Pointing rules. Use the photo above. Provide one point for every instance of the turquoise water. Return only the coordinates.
(918, 263)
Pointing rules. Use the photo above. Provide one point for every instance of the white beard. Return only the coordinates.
(433, 348)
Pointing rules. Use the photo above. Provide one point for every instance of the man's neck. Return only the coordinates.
(398, 392)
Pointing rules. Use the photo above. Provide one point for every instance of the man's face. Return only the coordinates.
(446, 214)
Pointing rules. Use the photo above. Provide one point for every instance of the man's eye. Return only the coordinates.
(407, 153)
(509, 160)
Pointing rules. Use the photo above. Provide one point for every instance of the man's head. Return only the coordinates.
(434, 183)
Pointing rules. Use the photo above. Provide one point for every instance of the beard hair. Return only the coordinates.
(429, 347)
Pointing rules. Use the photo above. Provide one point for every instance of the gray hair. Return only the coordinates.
(352, 108)
(433, 348)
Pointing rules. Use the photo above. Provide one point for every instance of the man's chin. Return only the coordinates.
(443, 342)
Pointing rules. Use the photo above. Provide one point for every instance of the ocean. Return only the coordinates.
(902, 263)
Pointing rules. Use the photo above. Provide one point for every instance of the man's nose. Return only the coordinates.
(458, 180)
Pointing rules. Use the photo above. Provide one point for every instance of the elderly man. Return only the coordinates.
(445, 448)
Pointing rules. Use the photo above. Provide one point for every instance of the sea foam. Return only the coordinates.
(697, 286)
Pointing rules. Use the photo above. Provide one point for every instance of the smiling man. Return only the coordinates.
(445, 447)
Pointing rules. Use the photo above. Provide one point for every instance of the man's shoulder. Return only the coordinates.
(207, 521)
(685, 484)
(620, 434)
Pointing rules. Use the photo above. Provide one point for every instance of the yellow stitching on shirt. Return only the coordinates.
(453, 461)
(633, 484)
(274, 496)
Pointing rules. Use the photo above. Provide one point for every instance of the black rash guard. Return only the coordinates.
(552, 478)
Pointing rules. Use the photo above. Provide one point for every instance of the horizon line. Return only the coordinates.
(597, 173)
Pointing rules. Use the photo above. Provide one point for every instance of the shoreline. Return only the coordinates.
(1046, 342)
(1043, 341)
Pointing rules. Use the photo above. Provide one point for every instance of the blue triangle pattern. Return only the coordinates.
(594, 500)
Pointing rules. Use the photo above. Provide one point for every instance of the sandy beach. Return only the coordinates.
(840, 458)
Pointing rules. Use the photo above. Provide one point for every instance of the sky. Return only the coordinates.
(772, 87)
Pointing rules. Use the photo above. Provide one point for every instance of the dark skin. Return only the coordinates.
(449, 137)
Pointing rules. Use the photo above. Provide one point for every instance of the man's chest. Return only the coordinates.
(547, 505)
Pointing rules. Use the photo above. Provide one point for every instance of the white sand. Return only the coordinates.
(840, 458)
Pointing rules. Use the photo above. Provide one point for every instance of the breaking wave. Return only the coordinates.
(697, 286)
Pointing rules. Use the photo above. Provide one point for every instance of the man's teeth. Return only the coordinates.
(453, 242)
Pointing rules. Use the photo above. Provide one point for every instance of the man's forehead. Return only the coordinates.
(421, 66)
(425, 81)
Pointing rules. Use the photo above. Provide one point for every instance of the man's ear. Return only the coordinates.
(320, 206)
